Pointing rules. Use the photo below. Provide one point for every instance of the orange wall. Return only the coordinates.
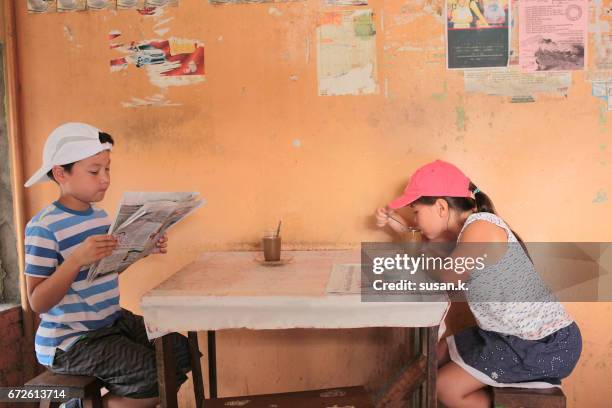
(234, 139)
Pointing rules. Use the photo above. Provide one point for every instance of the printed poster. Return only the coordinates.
(346, 60)
(552, 34)
(477, 33)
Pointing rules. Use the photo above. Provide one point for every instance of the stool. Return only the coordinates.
(354, 397)
(89, 387)
(506, 397)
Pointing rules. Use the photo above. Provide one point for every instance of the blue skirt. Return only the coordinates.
(504, 360)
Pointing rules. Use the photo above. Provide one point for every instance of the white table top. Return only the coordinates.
(230, 290)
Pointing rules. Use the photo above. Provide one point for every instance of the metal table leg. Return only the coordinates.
(212, 363)
(196, 369)
(166, 372)
(431, 344)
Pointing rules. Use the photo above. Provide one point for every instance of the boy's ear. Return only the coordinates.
(59, 174)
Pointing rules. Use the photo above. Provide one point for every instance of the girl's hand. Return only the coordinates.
(382, 216)
(386, 216)
(161, 246)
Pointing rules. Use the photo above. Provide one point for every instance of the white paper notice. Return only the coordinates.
(552, 34)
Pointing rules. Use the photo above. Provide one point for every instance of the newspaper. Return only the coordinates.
(142, 217)
(345, 279)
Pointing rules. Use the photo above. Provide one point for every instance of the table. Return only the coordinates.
(230, 290)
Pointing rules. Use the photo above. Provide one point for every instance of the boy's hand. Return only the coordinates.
(161, 246)
(94, 248)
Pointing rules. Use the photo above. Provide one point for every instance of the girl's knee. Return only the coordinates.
(442, 354)
(446, 388)
(450, 388)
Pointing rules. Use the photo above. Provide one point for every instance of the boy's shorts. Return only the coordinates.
(122, 357)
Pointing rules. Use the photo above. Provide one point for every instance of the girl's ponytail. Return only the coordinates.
(483, 202)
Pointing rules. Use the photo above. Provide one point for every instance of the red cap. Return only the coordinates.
(435, 179)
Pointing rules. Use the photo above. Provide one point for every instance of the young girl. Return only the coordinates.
(520, 344)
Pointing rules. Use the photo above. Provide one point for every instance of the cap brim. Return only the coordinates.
(403, 200)
(39, 176)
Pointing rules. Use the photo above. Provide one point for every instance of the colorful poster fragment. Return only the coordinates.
(552, 34)
(477, 33)
(170, 62)
(346, 46)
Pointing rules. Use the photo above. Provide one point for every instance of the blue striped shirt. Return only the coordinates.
(51, 236)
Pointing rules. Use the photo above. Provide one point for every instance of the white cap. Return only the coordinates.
(68, 143)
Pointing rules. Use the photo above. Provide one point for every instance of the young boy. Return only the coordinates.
(83, 330)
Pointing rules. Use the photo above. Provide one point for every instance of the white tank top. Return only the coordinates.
(513, 272)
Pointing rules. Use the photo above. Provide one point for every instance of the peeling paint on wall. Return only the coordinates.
(273, 11)
(155, 100)
(68, 33)
(346, 61)
(461, 118)
(600, 197)
(441, 96)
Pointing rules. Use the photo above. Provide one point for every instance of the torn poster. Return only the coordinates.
(71, 5)
(552, 34)
(161, 3)
(41, 6)
(346, 48)
(477, 33)
(345, 2)
(130, 4)
(513, 53)
(175, 61)
(601, 20)
(101, 4)
(515, 83)
(219, 2)
(603, 90)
